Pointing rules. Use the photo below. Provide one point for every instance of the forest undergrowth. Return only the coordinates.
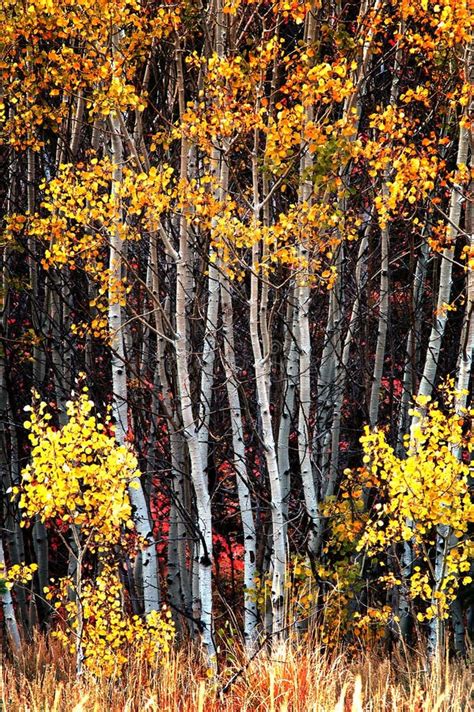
(292, 677)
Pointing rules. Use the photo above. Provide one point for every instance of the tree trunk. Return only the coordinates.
(434, 349)
(243, 488)
(141, 518)
(9, 617)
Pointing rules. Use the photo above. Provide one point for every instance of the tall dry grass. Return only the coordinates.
(290, 678)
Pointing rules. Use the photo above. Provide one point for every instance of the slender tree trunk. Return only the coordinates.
(445, 278)
(382, 327)
(325, 390)
(290, 382)
(360, 278)
(202, 587)
(40, 536)
(9, 470)
(151, 594)
(9, 617)
(243, 488)
(445, 538)
(329, 373)
(432, 360)
(203, 554)
(262, 366)
(304, 442)
(177, 576)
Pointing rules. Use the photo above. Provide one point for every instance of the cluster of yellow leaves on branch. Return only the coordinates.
(326, 592)
(80, 476)
(108, 633)
(80, 201)
(79, 211)
(342, 569)
(313, 225)
(409, 172)
(330, 588)
(233, 111)
(412, 498)
(287, 9)
(232, 104)
(78, 473)
(17, 574)
(228, 110)
(80, 196)
(81, 61)
(436, 32)
(421, 493)
(437, 24)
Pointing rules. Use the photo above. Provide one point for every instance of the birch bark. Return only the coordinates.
(382, 326)
(433, 354)
(290, 377)
(262, 377)
(141, 518)
(243, 488)
(384, 304)
(303, 294)
(11, 624)
(445, 538)
(203, 549)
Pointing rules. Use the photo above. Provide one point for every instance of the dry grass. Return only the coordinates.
(289, 679)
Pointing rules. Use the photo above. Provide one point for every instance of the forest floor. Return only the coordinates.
(289, 679)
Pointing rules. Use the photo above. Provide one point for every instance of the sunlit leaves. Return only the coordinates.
(108, 632)
(95, 49)
(79, 478)
(424, 490)
(18, 574)
(78, 473)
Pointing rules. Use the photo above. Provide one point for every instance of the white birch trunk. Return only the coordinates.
(304, 443)
(325, 390)
(262, 365)
(203, 602)
(141, 518)
(77, 124)
(243, 489)
(178, 584)
(290, 377)
(202, 550)
(218, 169)
(303, 296)
(382, 327)
(431, 366)
(445, 278)
(202, 593)
(208, 359)
(445, 538)
(177, 578)
(9, 617)
(384, 270)
(329, 376)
